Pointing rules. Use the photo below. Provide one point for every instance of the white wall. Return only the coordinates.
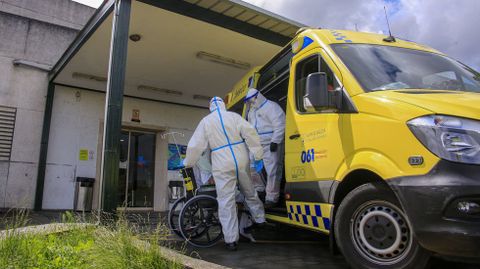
(24, 89)
(76, 124)
(37, 32)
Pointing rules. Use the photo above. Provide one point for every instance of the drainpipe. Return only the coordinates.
(42, 163)
(113, 105)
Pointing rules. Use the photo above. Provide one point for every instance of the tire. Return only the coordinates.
(199, 222)
(372, 231)
(174, 214)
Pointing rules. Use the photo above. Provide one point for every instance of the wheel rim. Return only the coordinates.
(199, 224)
(193, 223)
(381, 233)
(174, 215)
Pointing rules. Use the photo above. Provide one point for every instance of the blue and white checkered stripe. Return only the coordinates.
(314, 215)
(341, 37)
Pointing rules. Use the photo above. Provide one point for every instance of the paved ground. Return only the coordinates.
(289, 248)
(8, 218)
(279, 247)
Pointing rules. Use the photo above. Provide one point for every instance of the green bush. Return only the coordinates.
(109, 246)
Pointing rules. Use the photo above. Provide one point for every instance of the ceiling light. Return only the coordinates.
(135, 37)
(201, 97)
(162, 90)
(222, 60)
(88, 76)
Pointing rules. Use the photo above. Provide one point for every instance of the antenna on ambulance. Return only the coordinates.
(390, 37)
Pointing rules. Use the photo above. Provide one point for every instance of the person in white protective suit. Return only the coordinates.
(268, 119)
(229, 138)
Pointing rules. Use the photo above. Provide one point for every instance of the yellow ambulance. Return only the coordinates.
(382, 145)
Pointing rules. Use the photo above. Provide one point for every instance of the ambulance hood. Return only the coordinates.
(455, 103)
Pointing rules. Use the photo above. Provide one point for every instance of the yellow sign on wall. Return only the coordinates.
(83, 155)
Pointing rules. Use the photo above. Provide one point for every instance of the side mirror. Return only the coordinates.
(317, 96)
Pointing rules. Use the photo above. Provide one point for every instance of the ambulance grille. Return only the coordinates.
(7, 125)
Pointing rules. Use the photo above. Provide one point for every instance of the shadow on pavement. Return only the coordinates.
(286, 247)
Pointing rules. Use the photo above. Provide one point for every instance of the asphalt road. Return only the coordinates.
(289, 248)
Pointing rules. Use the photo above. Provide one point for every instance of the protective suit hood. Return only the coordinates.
(260, 100)
(252, 93)
(217, 102)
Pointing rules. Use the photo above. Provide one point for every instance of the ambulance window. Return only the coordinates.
(278, 92)
(275, 68)
(307, 67)
(332, 82)
(304, 68)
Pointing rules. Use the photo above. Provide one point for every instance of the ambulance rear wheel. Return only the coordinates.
(372, 231)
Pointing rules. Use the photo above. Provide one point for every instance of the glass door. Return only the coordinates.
(137, 169)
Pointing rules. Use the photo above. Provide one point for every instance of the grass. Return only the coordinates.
(114, 245)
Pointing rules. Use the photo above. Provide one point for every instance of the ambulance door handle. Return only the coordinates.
(294, 136)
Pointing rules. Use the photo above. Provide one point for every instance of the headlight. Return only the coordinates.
(450, 138)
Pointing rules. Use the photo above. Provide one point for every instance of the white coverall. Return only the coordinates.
(229, 137)
(268, 119)
(203, 169)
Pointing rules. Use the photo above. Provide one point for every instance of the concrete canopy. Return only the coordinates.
(164, 64)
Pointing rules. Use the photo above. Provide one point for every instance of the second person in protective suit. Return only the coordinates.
(268, 119)
(229, 138)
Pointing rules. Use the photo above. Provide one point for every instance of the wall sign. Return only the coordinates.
(83, 155)
(91, 155)
(136, 115)
(175, 157)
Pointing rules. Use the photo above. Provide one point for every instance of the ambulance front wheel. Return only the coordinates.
(372, 231)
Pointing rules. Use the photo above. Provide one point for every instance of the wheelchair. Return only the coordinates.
(194, 217)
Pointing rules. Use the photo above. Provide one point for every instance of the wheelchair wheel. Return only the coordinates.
(199, 222)
(173, 215)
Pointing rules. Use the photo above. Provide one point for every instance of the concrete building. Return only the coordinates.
(33, 36)
(172, 69)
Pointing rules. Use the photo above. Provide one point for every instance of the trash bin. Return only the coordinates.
(84, 194)
(176, 190)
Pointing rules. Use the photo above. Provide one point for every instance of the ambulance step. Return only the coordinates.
(278, 211)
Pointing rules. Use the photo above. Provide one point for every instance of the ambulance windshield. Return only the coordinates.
(379, 68)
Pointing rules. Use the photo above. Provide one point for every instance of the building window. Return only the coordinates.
(7, 125)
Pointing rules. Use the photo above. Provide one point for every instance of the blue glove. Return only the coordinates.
(182, 165)
(259, 166)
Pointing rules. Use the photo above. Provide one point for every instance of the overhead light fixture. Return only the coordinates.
(88, 76)
(135, 37)
(222, 60)
(162, 90)
(202, 97)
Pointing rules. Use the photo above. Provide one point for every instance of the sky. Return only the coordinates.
(450, 26)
